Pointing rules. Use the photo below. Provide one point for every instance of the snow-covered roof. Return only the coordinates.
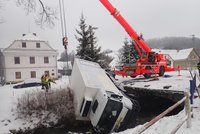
(30, 36)
(175, 54)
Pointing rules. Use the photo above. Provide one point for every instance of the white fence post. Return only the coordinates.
(188, 113)
(188, 109)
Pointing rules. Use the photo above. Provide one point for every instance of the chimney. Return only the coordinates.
(34, 34)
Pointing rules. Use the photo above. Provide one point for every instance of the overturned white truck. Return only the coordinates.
(97, 98)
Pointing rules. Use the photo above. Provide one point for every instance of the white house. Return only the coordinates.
(27, 57)
(185, 58)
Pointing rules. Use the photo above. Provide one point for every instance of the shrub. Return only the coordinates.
(58, 102)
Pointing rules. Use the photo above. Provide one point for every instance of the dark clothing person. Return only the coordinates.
(42, 81)
(198, 67)
(49, 82)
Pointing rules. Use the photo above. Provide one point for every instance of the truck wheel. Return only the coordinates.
(161, 71)
(133, 76)
(147, 76)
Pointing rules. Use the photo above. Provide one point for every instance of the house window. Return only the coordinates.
(24, 44)
(33, 74)
(38, 45)
(17, 60)
(46, 59)
(18, 75)
(32, 60)
(46, 72)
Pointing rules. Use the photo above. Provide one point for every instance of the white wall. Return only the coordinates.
(16, 50)
(26, 73)
(30, 45)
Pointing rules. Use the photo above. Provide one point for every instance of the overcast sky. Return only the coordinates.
(153, 18)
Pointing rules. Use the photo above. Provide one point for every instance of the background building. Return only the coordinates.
(64, 67)
(185, 58)
(28, 57)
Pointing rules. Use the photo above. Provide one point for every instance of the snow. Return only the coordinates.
(30, 80)
(173, 79)
(8, 99)
(175, 54)
(30, 36)
(115, 61)
(167, 124)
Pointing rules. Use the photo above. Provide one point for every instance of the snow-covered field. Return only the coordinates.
(8, 99)
(167, 124)
(173, 80)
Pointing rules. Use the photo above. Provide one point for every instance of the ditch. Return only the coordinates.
(152, 103)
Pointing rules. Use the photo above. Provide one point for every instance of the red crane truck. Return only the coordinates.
(148, 62)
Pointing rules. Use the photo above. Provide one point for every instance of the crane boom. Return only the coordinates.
(149, 61)
(131, 32)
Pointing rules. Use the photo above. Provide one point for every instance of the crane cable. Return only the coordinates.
(63, 26)
(64, 20)
(61, 18)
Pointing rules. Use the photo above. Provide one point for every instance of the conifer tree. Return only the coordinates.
(82, 38)
(94, 51)
(128, 54)
(87, 48)
(134, 53)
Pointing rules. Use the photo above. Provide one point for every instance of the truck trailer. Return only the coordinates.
(98, 99)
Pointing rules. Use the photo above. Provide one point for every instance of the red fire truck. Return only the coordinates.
(148, 62)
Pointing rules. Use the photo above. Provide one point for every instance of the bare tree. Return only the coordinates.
(46, 15)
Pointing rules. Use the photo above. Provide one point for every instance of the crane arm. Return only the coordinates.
(131, 32)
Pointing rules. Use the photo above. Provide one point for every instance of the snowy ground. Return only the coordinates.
(8, 99)
(173, 80)
(167, 124)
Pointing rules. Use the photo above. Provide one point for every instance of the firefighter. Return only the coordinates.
(198, 67)
(49, 82)
(45, 82)
(42, 81)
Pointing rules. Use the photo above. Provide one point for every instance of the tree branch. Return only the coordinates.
(46, 16)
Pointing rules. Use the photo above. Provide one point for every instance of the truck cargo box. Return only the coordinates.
(96, 98)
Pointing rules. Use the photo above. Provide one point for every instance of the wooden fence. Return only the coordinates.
(187, 118)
